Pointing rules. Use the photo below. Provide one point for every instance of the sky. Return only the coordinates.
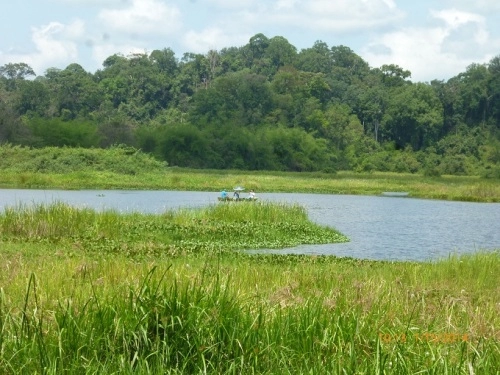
(433, 39)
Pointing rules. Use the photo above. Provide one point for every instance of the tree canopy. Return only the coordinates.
(264, 105)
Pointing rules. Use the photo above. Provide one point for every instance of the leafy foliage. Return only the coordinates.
(118, 159)
(264, 105)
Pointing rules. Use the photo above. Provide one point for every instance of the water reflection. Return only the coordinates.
(388, 228)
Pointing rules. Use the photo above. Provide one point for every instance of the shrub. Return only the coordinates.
(117, 159)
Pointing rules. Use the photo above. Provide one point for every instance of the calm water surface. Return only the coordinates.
(384, 228)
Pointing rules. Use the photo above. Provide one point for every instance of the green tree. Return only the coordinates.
(194, 73)
(280, 53)
(184, 146)
(292, 90)
(493, 99)
(140, 85)
(339, 121)
(243, 98)
(348, 64)
(450, 95)
(15, 72)
(393, 75)
(414, 116)
(317, 59)
(256, 48)
(34, 98)
(370, 103)
(475, 93)
(231, 59)
(233, 147)
(59, 132)
(74, 91)
(165, 60)
(12, 129)
(296, 150)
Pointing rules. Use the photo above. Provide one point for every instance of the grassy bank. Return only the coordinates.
(101, 292)
(448, 188)
(125, 168)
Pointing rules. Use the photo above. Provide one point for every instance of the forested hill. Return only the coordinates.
(262, 106)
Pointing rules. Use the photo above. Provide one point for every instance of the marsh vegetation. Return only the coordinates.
(102, 292)
(128, 168)
(83, 291)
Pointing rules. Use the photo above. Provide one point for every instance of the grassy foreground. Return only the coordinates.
(89, 292)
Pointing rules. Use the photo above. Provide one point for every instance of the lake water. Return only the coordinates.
(383, 228)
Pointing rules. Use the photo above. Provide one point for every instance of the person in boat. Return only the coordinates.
(236, 194)
(223, 194)
(251, 195)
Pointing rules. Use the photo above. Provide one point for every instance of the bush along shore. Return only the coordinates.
(102, 292)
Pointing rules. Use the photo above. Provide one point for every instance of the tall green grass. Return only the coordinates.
(215, 319)
(86, 292)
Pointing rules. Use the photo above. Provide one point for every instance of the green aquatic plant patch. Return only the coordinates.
(217, 228)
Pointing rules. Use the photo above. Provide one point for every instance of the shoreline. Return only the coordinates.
(452, 188)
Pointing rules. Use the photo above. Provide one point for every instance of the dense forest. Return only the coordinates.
(262, 106)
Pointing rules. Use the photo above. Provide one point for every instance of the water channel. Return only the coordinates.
(382, 228)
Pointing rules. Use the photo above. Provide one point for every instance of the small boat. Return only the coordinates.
(236, 196)
(231, 199)
(395, 194)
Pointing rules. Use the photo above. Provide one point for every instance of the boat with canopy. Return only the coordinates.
(224, 197)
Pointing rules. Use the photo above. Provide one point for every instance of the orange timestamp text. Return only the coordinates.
(445, 338)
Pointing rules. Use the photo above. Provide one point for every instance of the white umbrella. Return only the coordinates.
(239, 188)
